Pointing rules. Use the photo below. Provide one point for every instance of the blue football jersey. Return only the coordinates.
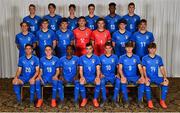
(22, 40)
(120, 40)
(33, 23)
(130, 65)
(109, 65)
(132, 22)
(64, 39)
(141, 42)
(112, 22)
(91, 22)
(69, 67)
(89, 66)
(43, 39)
(53, 21)
(72, 23)
(49, 66)
(152, 65)
(28, 66)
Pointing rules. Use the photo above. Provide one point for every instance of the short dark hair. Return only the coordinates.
(64, 19)
(88, 44)
(122, 21)
(143, 21)
(48, 46)
(71, 46)
(44, 20)
(129, 44)
(112, 4)
(32, 5)
(131, 3)
(152, 45)
(28, 45)
(73, 6)
(100, 19)
(91, 5)
(52, 4)
(108, 43)
(24, 23)
(81, 17)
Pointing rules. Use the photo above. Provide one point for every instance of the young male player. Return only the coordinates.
(109, 65)
(32, 19)
(28, 70)
(99, 37)
(89, 73)
(151, 64)
(72, 19)
(23, 38)
(112, 19)
(64, 37)
(132, 19)
(129, 64)
(120, 37)
(52, 17)
(49, 72)
(45, 37)
(91, 18)
(142, 39)
(69, 73)
(82, 36)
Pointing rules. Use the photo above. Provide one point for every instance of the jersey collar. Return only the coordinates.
(151, 57)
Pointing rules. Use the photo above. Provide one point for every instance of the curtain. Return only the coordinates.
(162, 16)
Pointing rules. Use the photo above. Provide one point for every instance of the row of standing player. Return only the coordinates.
(90, 68)
(82, 35)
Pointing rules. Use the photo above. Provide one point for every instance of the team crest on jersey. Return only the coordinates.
(32, 62)
(138, 37)
(134, 60)
(147, 37)
(134, 19)
(40, 35)
(126, 36)
(73, 62)
(36, 21)
(157, 62)
(112, 60)
(29, 39)
(148, 61)
(93, 61)
(53, 62)
(49, 35)
(86, 34)
(68, 35)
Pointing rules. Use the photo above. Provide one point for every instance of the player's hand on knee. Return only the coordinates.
(97, 81)
(142, 80)
(147, 81)
(55, 78)
(76, 78)
(117, 77)
(166, 81)
(123, 80)
(15, 80)
(32, 81)
(102, 76)
(82, 80)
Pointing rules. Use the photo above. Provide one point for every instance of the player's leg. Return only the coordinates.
(140, 91)
(96, 92)
(17, 83)
(125, 92)
(76, 93)
(103, 91)
(116, 91)
(32, 91)
(61, 93)
(164, 89)
(83, 92)
(148, 94)
(54, 92)
(39, 92)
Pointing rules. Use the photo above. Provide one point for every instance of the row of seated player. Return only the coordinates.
(90, 68)
(82, 35)
(54, 19)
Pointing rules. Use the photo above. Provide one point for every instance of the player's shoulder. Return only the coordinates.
(158, 56)
(123, 56)
(19, 34)
(118, 16)
(125, 16)
(88, 29)
(145, 57)
(96, 17)
(55, 57)
(136, 33)
(102, 56)
(26, 18)
(38, 17)
(76, 57)
(62, 58)
(42, 58)
(30, 34)
(95, 56)
(137, 16)
(50, 31)
(46, 16)
(57, 15)
(136, 56)
(114, 56)
(35, 57)
(22, 58)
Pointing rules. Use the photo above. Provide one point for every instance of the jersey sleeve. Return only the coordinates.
(36, 62)
(152, 37)
(108, 35)
(60, 63)
(16, 40)
(143, 61)
(160, 62)
(138, 60)
(20, 64)
(116, 60)
(93, 36)
(54, 37)
(133, 38)
(71, 36)
(34, 39)
(114, 37)
(98, 61)
(120, 60)
(80, 62)
(57, 64)
(41, 64)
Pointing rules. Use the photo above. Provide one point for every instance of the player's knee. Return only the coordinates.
(165, 83)
(123, 81)
(147, 83)
(97, 81)
(82, 82)
(32, 82)
(15, 82)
